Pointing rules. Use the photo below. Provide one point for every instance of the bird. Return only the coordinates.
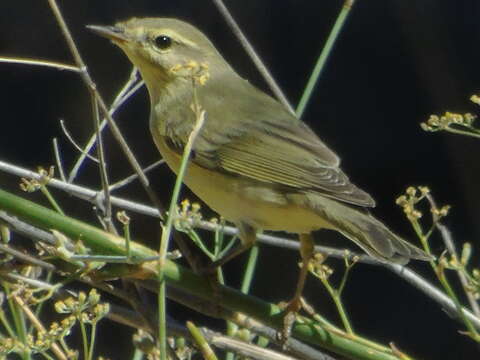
(253, 161)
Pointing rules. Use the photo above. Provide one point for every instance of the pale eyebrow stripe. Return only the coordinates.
(176, 37)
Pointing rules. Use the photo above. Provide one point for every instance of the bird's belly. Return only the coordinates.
(242, 200)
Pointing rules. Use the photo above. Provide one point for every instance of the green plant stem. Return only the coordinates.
(162, 328)
(338, 303)
(93, 335)
(198, 241)
(250, 270)
(471, 133)
(39, 308)
(6, 324)
(202, 344)
(322, 59)
(219, 237)
(18, 319)
(126, 234)
(44, 353)
(245, 288)
(138, 355)
(440, 273)
(64, 345)
(343, 314)
(233, 301)
(86, 352)
(451, 293)
(51, 199)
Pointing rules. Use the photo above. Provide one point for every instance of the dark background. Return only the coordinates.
(396, 62)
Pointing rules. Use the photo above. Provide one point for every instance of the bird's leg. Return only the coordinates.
(294, 306)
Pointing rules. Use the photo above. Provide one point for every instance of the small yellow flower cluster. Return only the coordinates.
(123, 218)
(9, 345)
(44, 340)
(412, 197)
(41, 340)
(475, 99)
(188, 215)
(86, 309)
(444, 122)
(318, 268)
(33, 185)
(461, 265)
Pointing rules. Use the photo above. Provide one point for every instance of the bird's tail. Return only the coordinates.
(366, 231)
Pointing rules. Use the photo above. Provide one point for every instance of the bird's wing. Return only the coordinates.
(282, 152)
(287, 156)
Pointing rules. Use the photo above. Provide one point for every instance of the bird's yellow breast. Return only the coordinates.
(241, 199)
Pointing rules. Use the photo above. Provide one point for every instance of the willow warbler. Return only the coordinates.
(253, 162)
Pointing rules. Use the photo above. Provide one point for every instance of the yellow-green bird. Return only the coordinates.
(253, 161)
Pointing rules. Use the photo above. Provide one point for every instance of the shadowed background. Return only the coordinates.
(395, 63)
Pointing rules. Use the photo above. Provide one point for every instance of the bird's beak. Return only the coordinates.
(114, 33)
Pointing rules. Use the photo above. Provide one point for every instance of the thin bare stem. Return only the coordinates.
(73, 142)
(25, 257)
(45, 63)
(169, 224)
(131, 178)
(253, 54)
(58, 159)
(450, 245)
(202, 344)
(470, 132)
(38, 284)
(322, 59)
(125, 93)
(107, 209)
(38, 325)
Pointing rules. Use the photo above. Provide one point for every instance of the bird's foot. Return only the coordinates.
(290, 311)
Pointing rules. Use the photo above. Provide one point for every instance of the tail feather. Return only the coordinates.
(366, 231)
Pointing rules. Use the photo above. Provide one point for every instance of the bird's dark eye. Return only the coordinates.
(163, 42)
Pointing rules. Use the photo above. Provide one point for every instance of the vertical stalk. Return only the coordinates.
(322, 59)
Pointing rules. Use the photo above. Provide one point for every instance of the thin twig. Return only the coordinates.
(72, 141)
(322, 59)
(125, 93)
(253, 55)
(38, 284)
(46, 63)
(58, 159)
(129, 179)
(38, 325)
(107, 204)
(162, 253)
(450, 245)
(28, 230)
(26, 258)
